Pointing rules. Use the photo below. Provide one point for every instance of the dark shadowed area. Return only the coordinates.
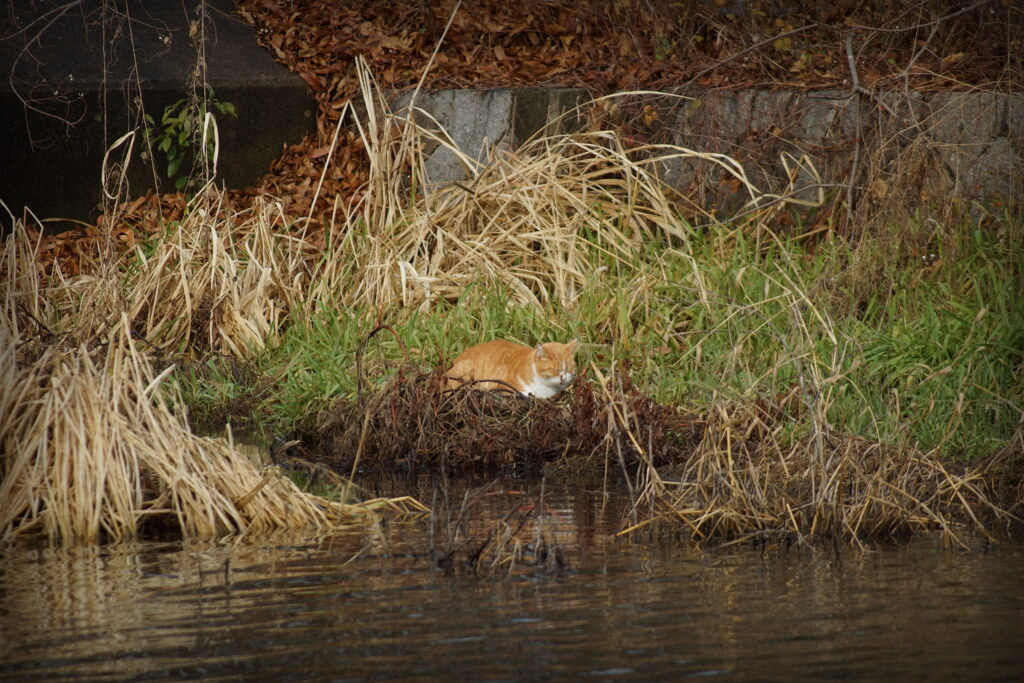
(77, 76)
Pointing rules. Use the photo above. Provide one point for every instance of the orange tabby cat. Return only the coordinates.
(541, 371)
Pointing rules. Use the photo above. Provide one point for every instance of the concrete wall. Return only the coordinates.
(964, 144)
(83, 75)
(480, 122)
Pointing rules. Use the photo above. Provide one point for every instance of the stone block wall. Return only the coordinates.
(801, 145)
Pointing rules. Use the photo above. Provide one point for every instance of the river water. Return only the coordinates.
(376, 603)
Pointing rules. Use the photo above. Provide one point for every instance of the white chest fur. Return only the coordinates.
(546, 387)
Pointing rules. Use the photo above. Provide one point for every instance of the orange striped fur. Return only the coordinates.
(540, 371)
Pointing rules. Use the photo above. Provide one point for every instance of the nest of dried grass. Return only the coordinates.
(727, 477)
(414, 423)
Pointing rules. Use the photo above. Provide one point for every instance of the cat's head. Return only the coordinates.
(555, 363)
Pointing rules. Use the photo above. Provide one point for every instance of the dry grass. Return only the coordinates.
(526, 220)
(218, 282)
(744, 482)
(731, 476)
(92, 447)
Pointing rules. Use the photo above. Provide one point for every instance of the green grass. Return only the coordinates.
(867, 343)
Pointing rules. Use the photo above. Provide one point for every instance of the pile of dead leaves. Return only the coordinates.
(80, 250)
(609, 47)
(601, 46)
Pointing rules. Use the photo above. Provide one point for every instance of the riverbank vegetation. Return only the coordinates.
(94, 444)
(743, 380)
(848, 371)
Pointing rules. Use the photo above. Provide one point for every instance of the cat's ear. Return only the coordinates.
(541, 353)
(571, 346)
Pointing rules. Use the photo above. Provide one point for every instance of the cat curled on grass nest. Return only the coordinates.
(541, 371)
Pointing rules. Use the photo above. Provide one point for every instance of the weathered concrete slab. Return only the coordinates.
(964, 144)
(480, 122)
(84, 74)
(981, 139)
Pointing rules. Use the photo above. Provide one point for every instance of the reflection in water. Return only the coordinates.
(367, 604)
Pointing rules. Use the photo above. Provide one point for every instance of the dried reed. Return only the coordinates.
(526, 220)
(92, 448)
(219, 281)
(744, 481)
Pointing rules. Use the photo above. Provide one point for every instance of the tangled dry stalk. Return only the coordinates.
(744, 483)
(523, 221)
(522, 534)
(731, 475)
(93, 447)
(219, 281)
(414, 424)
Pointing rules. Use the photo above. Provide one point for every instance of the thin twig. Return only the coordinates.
(58, 12)
(360, 382)
(749, 50)
(903, 29)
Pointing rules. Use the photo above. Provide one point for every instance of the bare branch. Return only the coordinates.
(903, 29)
(749, 50)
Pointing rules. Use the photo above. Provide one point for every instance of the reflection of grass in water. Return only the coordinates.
(488, 531)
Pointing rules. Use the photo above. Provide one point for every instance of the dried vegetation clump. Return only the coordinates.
(413, 423)
(93, 443)
(729, 476)
(221, 281)
(531, 241)
(744, 483)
